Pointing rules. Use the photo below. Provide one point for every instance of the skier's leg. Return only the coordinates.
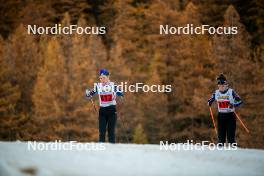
(111, 124)
(231, 128)
(102, 125)
(221, 126)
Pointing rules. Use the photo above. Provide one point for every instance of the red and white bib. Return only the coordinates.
(106, 92)
(224, 100)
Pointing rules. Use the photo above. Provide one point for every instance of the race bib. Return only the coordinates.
(106, 98)
(223, 104)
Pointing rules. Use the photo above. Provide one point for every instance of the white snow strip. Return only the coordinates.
(128, 159)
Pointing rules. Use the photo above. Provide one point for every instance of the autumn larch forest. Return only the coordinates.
(44, 77)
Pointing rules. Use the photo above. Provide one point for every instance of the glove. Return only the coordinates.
(120, 94)
(88, 93)
(231, 105)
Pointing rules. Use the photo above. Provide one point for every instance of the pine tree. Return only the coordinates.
(139, 136)
(232, 52)
(9, 95)
(155, 116)
(130, 33)
(49, 90)
(22, 54)
(184, 59)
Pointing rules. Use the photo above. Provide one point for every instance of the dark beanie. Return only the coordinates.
(221, 79)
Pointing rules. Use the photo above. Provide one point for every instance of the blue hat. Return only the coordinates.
(104, 72)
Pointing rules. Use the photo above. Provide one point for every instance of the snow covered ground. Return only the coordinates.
(127, 159)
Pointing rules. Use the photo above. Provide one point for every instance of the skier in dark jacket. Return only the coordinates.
(107, 92)
(227, 99)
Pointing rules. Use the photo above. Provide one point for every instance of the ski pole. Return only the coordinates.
(93, 104)
(212, 116)
(237, 116)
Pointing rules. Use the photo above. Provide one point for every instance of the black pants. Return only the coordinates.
(226, 127)
(107, 119)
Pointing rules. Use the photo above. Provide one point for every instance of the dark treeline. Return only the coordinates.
(43, 78)
(46, 12)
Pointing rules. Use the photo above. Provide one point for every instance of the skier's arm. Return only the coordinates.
(90, 93)
(238, 100)
(211, 100)
(118, 92)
